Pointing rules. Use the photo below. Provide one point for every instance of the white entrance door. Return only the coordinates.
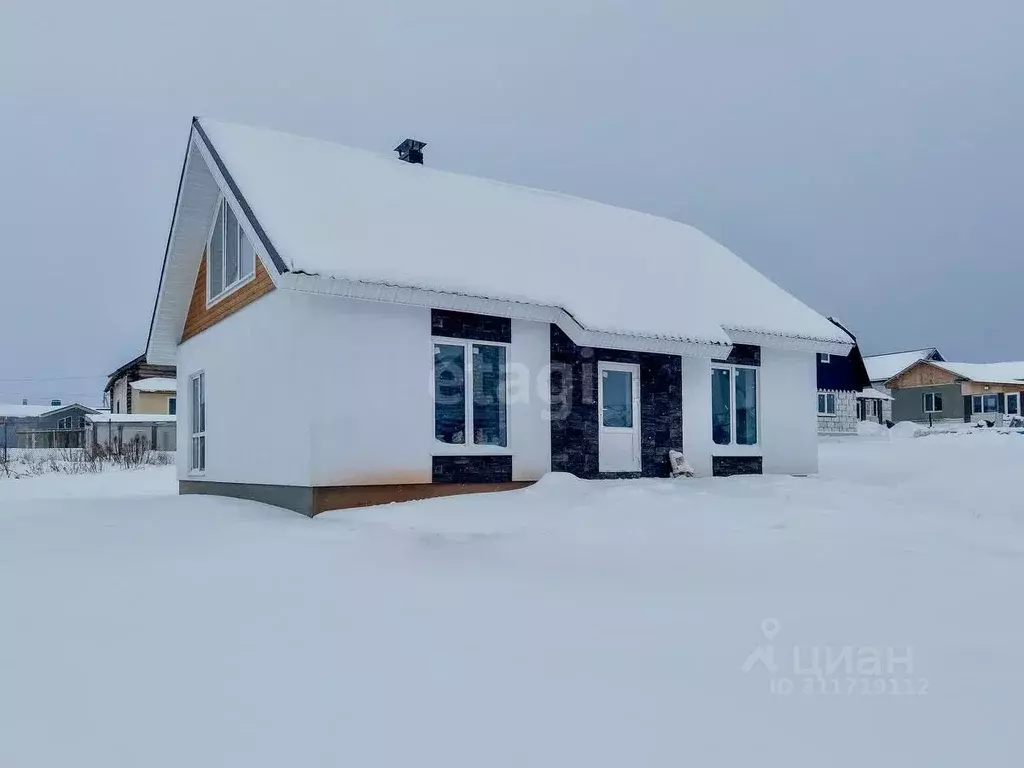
(618, 397)
(1013, 404)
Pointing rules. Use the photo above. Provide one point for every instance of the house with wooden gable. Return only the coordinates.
(929, 391)
(434, 333)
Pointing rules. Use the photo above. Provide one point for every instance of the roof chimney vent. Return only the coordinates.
(411, 151)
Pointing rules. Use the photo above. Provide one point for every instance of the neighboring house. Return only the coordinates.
(155, 396)
(114, 430)
(930, 391)
(881, 368)
(843, 391)
(43, 426)
(121, 396)
(423, 333)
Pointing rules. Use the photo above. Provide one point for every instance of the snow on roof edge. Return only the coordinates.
(238, 146)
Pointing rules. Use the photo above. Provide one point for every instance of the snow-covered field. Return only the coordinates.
(869, 616)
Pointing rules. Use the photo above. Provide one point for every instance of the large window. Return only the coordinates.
(826, 404)
(231, 259)
(734, 405)
(985, 404)
(480, 368)
(932, 402)
(197, 412)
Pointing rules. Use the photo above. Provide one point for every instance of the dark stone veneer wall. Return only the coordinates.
(574, 416)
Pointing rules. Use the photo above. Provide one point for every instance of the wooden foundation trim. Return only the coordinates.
(352, 496)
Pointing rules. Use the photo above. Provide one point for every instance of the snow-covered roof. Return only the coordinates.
(994, 373)
(13, 411)
(336, 212)
(870, 393)
(155, 384)
(132, 418)
(17, 411)
(884, 367)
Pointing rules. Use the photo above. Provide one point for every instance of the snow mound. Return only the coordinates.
(872, 429)
(905, 429)
(554, 482)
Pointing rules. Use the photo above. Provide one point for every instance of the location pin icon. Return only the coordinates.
(770, 628)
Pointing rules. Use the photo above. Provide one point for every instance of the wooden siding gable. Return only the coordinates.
(922, 374)
(200, 317)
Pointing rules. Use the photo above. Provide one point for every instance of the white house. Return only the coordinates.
(428, 333)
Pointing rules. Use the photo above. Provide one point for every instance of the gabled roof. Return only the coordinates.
(17, 411)
(14, 411)
(986, 373)
(885, 367)
(858, 370)
(370, 226)
(155, 384)
(992, 373)
(122, 370)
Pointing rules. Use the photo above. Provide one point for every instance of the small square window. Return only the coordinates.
(825, 358)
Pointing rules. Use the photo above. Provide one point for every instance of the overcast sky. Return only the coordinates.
(866, 156)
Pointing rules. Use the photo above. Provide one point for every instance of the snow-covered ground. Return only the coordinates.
(868, 616)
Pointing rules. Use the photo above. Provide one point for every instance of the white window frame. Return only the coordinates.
(732, 446)
(825, 357)
(212, 299)
(194, 436)
(982, 397)
(1017, 398)
(924, 402)
(827, 412)
(469, 446)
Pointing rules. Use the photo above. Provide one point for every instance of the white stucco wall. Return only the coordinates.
(373, 389)
(257, 406)
(787, 424)
(697, 444)
(317, 390)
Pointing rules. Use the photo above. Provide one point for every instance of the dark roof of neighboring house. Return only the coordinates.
(127, 367)
(859, 371)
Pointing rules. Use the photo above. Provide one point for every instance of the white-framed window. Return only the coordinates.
(985, 404)
(826, 403)
(734, 405)
(231, 260)
(1013, 404)
(197, 413)
(478, 369)
(932, 402)
(825, 357)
